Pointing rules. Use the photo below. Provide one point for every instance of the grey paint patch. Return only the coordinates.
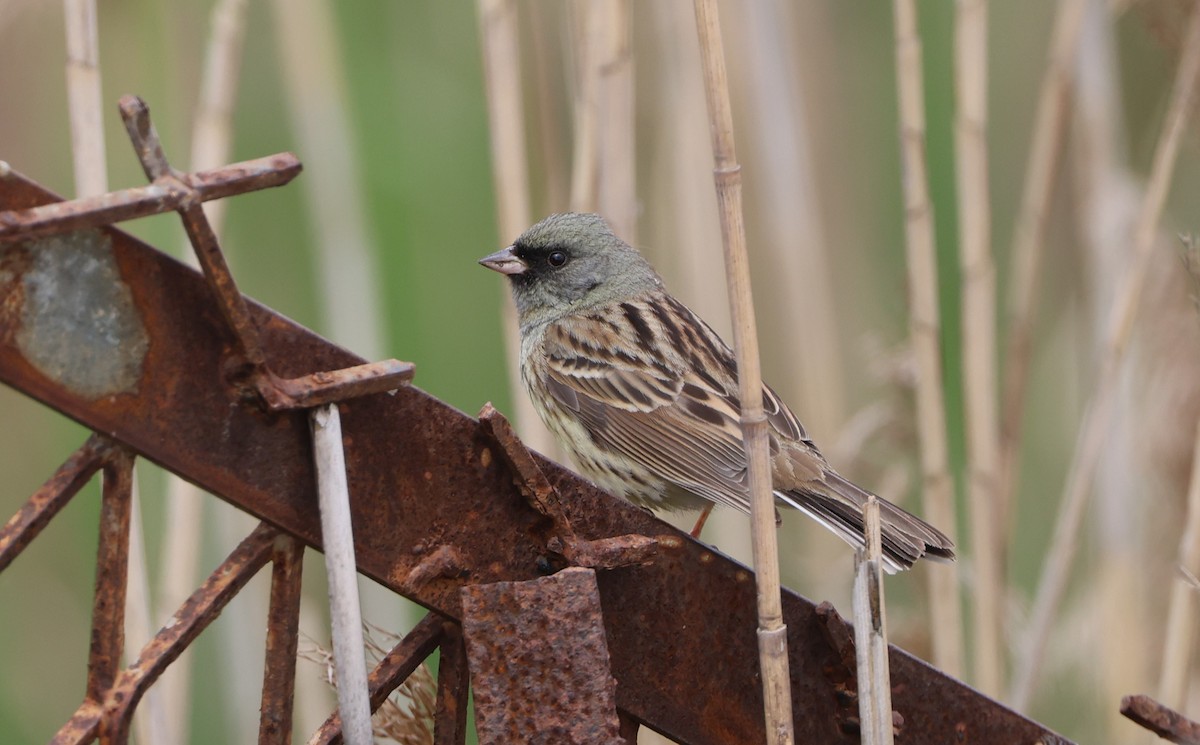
(79, 326)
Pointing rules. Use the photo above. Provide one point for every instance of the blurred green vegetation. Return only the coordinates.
(415, 100)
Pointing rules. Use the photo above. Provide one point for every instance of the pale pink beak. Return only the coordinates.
(505, 262)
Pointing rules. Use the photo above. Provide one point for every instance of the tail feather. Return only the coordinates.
(904, 537)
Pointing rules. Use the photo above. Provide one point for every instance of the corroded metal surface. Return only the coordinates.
(450, 714)
(38, 510)
(1167, 723)
(539, 662)
(283, 637)
(425, 480)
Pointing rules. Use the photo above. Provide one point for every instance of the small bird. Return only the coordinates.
(643, 394)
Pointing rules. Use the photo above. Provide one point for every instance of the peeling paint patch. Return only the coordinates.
(79, 326)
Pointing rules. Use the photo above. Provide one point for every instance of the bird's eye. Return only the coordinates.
(556, 258)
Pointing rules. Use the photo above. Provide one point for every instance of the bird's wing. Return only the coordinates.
(650, 381)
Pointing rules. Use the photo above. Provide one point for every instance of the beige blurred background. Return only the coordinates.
(375, 247)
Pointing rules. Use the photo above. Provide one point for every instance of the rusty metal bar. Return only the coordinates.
(112, 566)
(1167, 723)
(562, 690)
(154, 199)
(197, 612)
(605, 553)
(392, 670)
(331, 386)
(426, 478)
(233, 308)
(108, 603)
(450, 716)
(283, 636)
(40, 509)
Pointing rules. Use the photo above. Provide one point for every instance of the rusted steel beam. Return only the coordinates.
(450, 715)
(53, 495)
(1167, 723)
(427, 480)
(392, 670)
(539, 661)
(283, 636)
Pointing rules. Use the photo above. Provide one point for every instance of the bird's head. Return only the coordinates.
(569, 263)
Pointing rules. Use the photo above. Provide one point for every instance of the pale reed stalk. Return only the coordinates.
(212, 135)
(612, 58)
(1029, 236)
(349, 290)
(86, 115)
(510, 179)
(1093, 430)
(1181, 614)
(978, 272)
(924, 328)
(870, 635)
(772, 633)
(84, 98)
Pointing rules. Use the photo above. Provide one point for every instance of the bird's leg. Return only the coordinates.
(702, 519)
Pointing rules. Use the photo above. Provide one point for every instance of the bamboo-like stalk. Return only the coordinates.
(349, 656)
(85, 111)
(1050, 126)
(789, 215)
(212, 134)
(585, 157)
(510, 179)
(870, 635)
(84, 98)
(979, 337)
(313, 77)
(1181, 614)
(772, 633)
(1094, 427)
(612, 58)
(550, 149)
(925, 330)
(150, 721)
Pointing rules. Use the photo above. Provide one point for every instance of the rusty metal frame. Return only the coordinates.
(441, 501)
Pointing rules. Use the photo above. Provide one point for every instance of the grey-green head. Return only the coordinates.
(570, 262)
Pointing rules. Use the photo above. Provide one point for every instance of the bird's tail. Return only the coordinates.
(905, 537)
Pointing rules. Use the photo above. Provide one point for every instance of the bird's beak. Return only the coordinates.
(505, 262)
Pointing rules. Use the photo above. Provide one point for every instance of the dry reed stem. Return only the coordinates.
(510, 179)
(585, 158)
(85, 111)
(212, 135)
(870, 635)
(150, 719)
(84, 98)
(1029, 235)
(979, 338)
(925, 331)
(1093, 430)
(212, 132)
(612, 55)
(792, 235)
(337, 538)
(772, 633)
(310, 59)
(549, 139)
(1180, 629)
